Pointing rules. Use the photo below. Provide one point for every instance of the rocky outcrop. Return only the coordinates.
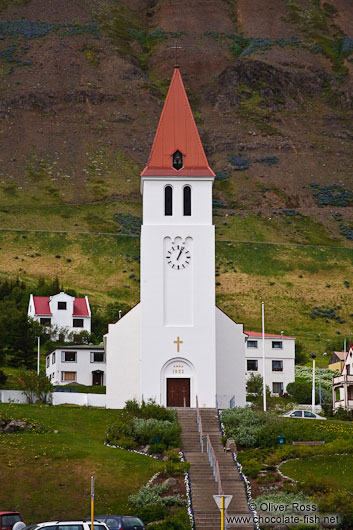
(277, 88)
(10, 426)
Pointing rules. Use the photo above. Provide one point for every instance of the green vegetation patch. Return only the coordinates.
(332, 468)
(67, 453)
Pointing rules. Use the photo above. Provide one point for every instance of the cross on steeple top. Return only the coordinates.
(176, 48)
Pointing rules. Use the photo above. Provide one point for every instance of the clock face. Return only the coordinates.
(178, 257)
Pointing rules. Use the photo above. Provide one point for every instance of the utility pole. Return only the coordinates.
(263, 357)
(313, 357)
(38, 355)
(320, 397)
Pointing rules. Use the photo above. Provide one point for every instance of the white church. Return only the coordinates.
(176, 344)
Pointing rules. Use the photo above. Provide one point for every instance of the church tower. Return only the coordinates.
(176, 344)
(178, 261)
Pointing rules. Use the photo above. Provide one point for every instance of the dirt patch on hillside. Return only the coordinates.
(263, 19)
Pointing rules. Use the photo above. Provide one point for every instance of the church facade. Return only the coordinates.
(176, 344)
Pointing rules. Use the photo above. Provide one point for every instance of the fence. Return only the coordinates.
(214, 464)
(199, 423)
(58, 398)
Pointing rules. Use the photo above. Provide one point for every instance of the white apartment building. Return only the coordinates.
(279, 359)
(65, 314)
(83, 364)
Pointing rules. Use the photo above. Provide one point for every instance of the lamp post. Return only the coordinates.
(38, 355)
(321, 356)
(263, 357)
(313, 357)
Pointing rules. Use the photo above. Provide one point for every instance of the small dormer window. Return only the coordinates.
(62, 305)
(177, 160)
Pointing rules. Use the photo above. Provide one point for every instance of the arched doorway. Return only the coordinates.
(177, 383)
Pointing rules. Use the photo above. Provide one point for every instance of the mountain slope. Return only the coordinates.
(82, 86)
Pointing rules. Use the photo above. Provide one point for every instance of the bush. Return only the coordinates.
(176, 469)
(3, 377)
(301, 392)
(36, 388)
(151, 513)
(152, 496)
(179, 520)
(134, 428)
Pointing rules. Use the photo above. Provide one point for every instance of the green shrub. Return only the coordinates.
(179, 520)
(176, 469)
(3, 377)
(149, 409)
(151, 513)
(153, 496)
(301, 392)
(152, 431)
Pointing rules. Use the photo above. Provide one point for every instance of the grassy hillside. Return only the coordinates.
(61, 461)
(81, 91)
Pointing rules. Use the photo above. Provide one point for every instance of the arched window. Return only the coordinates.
(168, 200)
(187, 200)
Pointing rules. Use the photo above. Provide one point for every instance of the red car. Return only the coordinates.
(8, 519)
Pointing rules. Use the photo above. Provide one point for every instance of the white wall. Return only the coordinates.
(89, 400)
(230, 361)
(286, 354)
(83, 366)
(122, 349)
(153, 200)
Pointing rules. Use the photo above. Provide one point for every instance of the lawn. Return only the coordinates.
(335, 470)
(47, 476)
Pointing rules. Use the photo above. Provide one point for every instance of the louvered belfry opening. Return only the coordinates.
(177, 160)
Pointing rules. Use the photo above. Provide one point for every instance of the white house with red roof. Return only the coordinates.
(65, 314)
(343, 384)
(279, 359)
(176, 345)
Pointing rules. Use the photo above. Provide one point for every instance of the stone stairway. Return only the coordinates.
(203, 484)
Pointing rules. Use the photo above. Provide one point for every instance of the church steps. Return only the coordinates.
(203, 484)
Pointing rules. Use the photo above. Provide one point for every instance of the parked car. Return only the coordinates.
(67, 525)
(306, 414)
(120, 522)
(8, 519)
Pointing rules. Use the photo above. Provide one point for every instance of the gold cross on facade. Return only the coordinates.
(178, 342)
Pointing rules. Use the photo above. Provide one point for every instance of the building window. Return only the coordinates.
(53, 358)
(77, 323)
(277, 366)
(68, 356)
(187, 200)
(97, 357)
(277, 388)
(252, 344)
(45, 321)
(68, 376)
(252, 365)
(61, 305)
(277, 344)
(168, 200)
(177, 160)
(48, 361)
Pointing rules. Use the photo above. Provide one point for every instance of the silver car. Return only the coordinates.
(303, 414)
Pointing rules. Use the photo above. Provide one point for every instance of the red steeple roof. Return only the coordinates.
(177, 131)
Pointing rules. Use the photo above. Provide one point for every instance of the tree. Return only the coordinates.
(37, 388)
(300, 355)
(254, 385)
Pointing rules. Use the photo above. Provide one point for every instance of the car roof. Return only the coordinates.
(8, 512)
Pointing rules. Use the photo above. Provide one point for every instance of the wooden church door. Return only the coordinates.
(178, 392)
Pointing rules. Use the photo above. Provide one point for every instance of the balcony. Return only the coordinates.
(341, 380)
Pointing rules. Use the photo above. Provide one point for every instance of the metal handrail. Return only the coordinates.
(214, 464)
(199, 423)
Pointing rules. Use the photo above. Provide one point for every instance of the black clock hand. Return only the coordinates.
(181, 250)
